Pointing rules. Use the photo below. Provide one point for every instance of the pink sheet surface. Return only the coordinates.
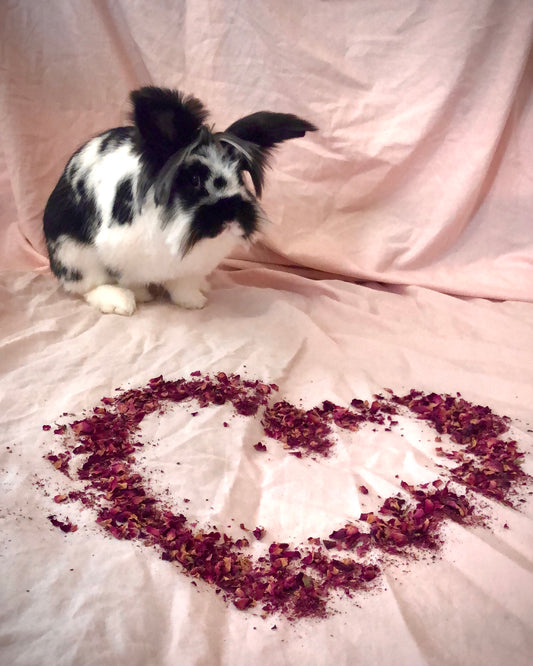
(399, 255)
(87, 599)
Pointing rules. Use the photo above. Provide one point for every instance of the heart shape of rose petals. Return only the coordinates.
(297, 582)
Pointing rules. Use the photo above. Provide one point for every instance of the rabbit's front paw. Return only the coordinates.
(187, 293)
(191, 299)
(109, 298)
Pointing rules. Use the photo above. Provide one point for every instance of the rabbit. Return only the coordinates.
(160, 202)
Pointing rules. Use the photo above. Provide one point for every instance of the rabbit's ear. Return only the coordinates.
(167, 120)
(266, 128)
(255, 135)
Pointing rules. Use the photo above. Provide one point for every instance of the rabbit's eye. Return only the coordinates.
(195, 180)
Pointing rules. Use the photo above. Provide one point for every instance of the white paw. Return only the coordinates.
(191, 299)
(109, 298)
(204, 284)
(187, 292)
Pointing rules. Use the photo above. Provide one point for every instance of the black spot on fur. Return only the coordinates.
(189, 184)
(115, 137)
(220, 182)
(71, 212)
(123, 204)
(113, 274)
(247, 217)
(80, 188)
(210, 219)
(61, 271)
(72, 170)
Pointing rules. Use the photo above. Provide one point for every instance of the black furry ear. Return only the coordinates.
(167, 120)
(255, 135)
(266, 128)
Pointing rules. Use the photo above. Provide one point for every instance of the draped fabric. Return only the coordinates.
(398, 256)
(420, 173)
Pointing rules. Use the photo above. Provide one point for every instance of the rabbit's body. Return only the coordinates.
(161, 202)
(113, 243)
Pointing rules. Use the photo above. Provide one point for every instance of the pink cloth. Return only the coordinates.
(420, 176)
(85, 599)
(421, 171)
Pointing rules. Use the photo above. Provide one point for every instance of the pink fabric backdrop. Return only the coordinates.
(420, 174)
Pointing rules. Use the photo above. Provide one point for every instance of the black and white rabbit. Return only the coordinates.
(160, 202)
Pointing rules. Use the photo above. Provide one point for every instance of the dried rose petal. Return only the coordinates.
(64, 526)
(294, 581)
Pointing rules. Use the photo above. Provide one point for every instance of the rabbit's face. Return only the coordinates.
(208, 187)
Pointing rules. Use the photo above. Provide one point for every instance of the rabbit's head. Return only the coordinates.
(198, 174)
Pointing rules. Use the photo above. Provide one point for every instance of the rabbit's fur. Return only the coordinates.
(162, 201)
